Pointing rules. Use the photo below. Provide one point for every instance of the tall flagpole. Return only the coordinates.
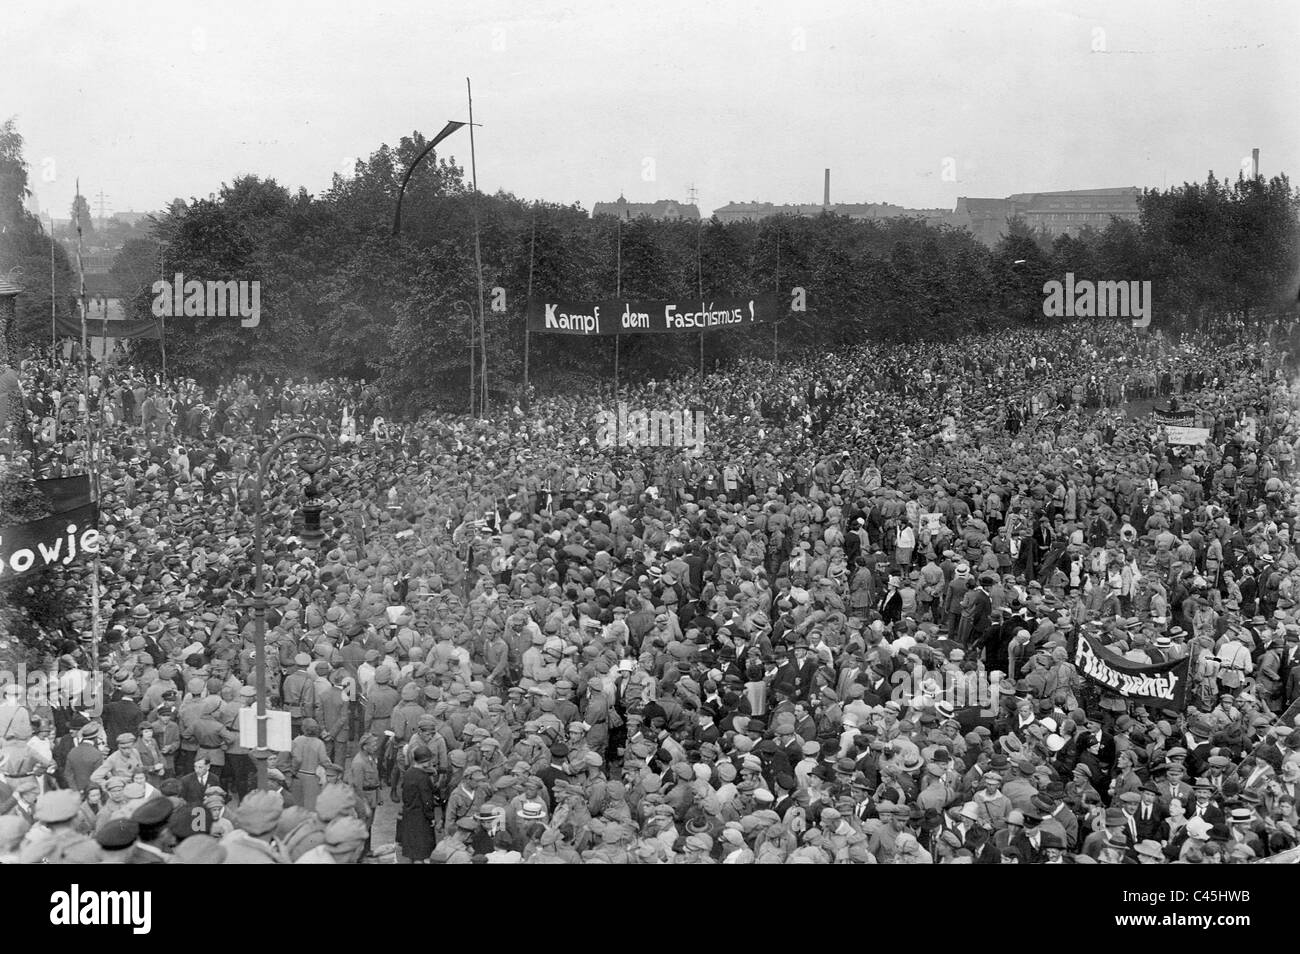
(532, 257)
(89, 452)
(618, 293)
(776, 288)
(162, 322)
(54, 335)
(699, 286)
(478, 258)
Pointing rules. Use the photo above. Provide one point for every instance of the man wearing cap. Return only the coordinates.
(1269, 681)
(364, 777)
(883, 842)
(345, 843)
(298, 692)
(332, 710)
(1174, 784)
(1234, 660)
(121, 713)
(123, 763)
(55, 838)
(154, 835)
(117, 841)
(378, 709)
(253, 841)
(84, 758)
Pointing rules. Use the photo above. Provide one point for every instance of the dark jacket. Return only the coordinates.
(415, 831)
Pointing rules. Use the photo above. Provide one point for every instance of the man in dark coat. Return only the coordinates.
(84, 758)
(415, 828)
(122, 714)
(194, 785)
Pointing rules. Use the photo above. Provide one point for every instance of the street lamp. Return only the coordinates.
(311, 535)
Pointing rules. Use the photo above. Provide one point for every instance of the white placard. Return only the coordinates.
(1194, 436)
(279, 732)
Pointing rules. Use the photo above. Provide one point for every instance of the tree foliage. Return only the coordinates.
(341, 295)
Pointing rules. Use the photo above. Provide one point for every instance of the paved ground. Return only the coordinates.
(385, 827)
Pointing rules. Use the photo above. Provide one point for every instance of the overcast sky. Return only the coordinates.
(914, 102)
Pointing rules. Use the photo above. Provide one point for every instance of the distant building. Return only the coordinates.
(863, 211)
(665, 210)
(986, 219)
(1059, 213)
(130, 218)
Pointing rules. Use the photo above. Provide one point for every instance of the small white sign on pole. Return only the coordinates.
(279, 732)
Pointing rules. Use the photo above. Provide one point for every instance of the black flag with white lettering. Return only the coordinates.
(1163, 685)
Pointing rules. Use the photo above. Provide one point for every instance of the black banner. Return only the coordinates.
(1155, 684)
(626, 317)
(65, 493)
(61, 539)
(145, 328)
(1175, 418)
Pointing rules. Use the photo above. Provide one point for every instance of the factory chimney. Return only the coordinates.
(826, 196)
(1254, 163)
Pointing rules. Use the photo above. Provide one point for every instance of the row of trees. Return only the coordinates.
(341, 295)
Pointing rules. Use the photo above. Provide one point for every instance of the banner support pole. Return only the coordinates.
(618, 293)
(699, 286)
(89, 448)
(532, 249)
(776, 287)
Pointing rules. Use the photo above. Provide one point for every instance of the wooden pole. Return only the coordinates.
(532, 252)
(618, 293)
(162, 322)
(88, 451)
(776, 283)
(478, 258)
(54, 335)
(699, 286)
(469, 310)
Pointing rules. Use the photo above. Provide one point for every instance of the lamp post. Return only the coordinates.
(311, 535)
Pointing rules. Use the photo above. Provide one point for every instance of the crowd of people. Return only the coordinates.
(840, 629)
